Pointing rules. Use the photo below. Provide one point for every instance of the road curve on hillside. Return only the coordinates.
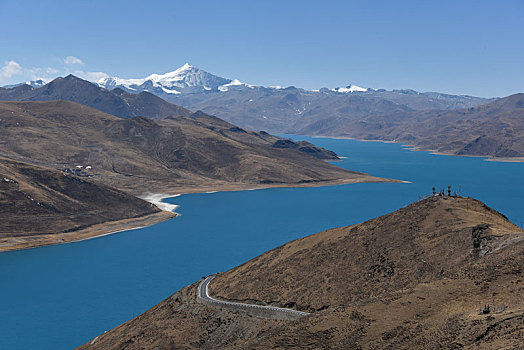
(258, 310)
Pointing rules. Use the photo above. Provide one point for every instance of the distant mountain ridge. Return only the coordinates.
(284, 110)
(291, 110)
(189, 79)
(495, 129)
(275, 109)
(398, 115)
(116, 102)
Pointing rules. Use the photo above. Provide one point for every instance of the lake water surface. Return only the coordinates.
(59, 297)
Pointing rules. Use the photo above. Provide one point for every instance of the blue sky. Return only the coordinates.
(460, 47)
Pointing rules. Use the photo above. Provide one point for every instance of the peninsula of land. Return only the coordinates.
(70, 172)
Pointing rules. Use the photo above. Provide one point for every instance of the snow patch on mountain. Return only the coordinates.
(350, 88)
(113, 82)
(33, 83)
(36, 83)
(173, 91)
(234, 82)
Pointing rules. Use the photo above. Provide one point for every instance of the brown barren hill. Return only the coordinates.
(174, 155)
(443, 272)
(141, 156)
(41, 206)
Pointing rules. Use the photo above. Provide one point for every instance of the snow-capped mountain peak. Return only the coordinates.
(191, 79)
(178, 74)
(350, 88)
(187, 78)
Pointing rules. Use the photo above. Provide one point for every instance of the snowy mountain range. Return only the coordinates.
(283, 109)
(190, 79)
(33, 83)
(274, 109)
(187, 78)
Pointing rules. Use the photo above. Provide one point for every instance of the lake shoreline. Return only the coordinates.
(93, 231)
(232, 187)
(414, 148)
(110, 280)
(167, 212)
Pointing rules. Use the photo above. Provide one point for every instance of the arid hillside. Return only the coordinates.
(42, 206)
(172, 155)
(443, 272)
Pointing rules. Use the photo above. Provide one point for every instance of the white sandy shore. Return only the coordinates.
(157, 199)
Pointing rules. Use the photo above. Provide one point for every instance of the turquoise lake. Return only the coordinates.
(59, 297)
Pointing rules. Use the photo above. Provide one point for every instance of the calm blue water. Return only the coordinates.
(59, 297)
